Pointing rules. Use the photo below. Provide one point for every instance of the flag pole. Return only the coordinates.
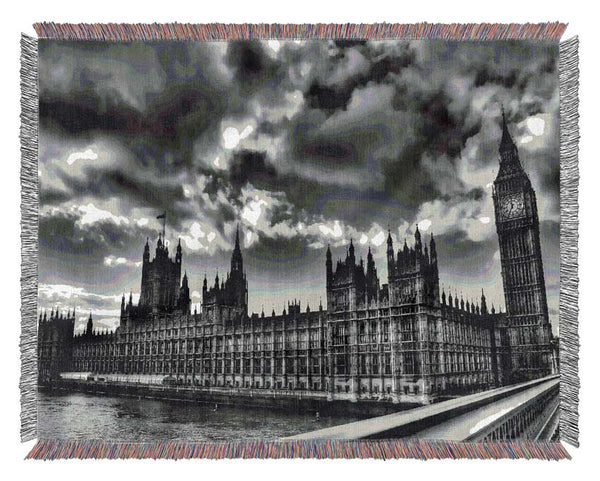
(163, 216)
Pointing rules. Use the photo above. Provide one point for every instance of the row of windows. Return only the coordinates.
(516, 246)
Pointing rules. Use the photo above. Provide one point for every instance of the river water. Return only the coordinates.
(87, 416)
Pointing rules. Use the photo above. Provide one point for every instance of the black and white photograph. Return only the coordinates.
(298, 239)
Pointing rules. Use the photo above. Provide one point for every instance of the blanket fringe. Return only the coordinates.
(569, 206)
(247, 31)
(29, 235)
(396, 449)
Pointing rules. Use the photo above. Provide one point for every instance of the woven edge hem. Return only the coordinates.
(29, 235)
(396, 449)
(224, 31)
(569, 206)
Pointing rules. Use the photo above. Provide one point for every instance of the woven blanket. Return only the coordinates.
(306, 241)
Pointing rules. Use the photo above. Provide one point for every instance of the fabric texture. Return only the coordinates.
(301, 241)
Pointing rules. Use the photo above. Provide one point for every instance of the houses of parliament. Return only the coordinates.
(403, 340)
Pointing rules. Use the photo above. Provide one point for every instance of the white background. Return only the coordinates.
(18, 17)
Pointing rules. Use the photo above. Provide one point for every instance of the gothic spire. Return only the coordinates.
(432, 249)
(391, 260)
(507, 148)
(418, 244)
(90, 324)
(178, 255)
(237, 261)
(483, 303)
(506, 142)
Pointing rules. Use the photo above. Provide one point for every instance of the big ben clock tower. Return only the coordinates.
(517, 224)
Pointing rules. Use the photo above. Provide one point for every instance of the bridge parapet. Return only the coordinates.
(529, 414)
(527, 411)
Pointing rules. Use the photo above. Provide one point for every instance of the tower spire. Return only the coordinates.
(506, 142)
(90, 325)
(483, 303)
(418, 244)
(237, 261)
(328, 267)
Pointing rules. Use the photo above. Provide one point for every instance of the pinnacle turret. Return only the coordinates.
(432, 249)
(483, 303)
(418, 244)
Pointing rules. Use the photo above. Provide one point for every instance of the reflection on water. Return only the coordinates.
(86, 416)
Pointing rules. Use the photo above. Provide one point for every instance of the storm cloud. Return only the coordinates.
(301, 143)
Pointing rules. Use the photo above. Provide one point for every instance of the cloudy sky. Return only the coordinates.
(302, 143)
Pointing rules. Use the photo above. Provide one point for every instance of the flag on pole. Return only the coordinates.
(161, 216)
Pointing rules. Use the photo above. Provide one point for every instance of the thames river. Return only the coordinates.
(86, 416)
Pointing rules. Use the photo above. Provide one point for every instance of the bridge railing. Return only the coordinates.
(476, 416)
(531, 418)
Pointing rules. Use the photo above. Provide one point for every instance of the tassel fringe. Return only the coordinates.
(569, 206)
(29, 235)
(50, 450)
(224, 31)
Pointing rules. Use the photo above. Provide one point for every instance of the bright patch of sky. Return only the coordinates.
(88, 154)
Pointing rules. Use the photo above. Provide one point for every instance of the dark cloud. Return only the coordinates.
(252, 67)
(52, 196)
(328, 98)
(159, 126)
(63, 233)
(251, 166)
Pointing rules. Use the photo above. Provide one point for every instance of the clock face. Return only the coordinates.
(512, 206)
